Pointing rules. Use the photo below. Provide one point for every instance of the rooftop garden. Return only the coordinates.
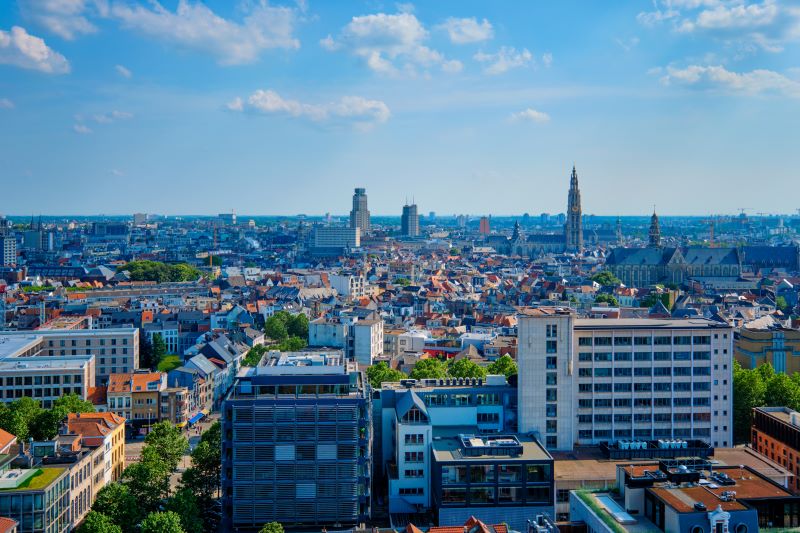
(43, 478)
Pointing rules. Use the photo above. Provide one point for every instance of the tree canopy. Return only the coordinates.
(98, 523)
(505, 365)
(606, 278)
(160, 272)
(271, 527)
(164, 522)
(382, 372)
(429, 368)
(760, 387)
(610, 299)
(466, 368)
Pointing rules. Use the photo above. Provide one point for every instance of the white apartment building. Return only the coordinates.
(115, 350)
(8, 250)
(360, 339)
(350, 285)
(335, 237)
(589, 381)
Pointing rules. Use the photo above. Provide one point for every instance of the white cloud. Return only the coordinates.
(195, 27)
(360, 110)
(113, 116)
(123, 71)
(389, 44)
(547, 59)
(117, 172)
(467, 30)
(81, 129)
(505, 59)
(725, 16)
(627, 44)
(5, 103)
(530, 115)
(66, 18)
(21, 49)
(755, 82)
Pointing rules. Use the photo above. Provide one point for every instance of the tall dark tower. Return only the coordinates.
(515, 236)
(655, 231)
(620, 238)
(573, 229)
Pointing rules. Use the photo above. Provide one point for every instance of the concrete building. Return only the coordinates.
(105, 431)
(592, 381)
(297, 444)
(361, 340)
(359, 215)
(24, 372)
(8, 250)
(115, 350)
(334, 240)
(409, 221)
(136, 397)
(46, 489)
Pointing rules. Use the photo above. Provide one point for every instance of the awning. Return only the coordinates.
(181, 424)
(205, 411)
(196, 418)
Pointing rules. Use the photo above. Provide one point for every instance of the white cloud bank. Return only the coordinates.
(755, 82)
(530, 115)
(467, 30)
(21, 49)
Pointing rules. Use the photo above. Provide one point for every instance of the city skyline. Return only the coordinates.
(435, 101)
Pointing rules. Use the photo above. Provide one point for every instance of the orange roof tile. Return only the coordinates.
(6, 439)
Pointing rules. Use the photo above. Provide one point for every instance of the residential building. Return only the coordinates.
(359, 215)
(105, 431)
(349, 285)
(23, 372)
(592, 381)
(360, 339)
(174, 406)
(415, 412)
(767, 340)
(409, 221)
(136, 397)
(297, 444)
(8, 250)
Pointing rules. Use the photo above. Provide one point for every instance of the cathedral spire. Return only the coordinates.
(655, 230)
(573, 229)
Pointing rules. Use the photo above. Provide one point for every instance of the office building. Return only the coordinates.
(46, 491)
(359, 215)
(592, 381)
(776, 434)
(24, 372)
(8, 250)
(297, 444)
(227, 219)
(352, 285)
(140, 219)
(485, 226)
(409, 222)
(114, 349)
(333, 240)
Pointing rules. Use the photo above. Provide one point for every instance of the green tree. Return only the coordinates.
(505, 366)
(403, 282)
(45, 424)
(118, 503)
(429, 368)
(164, 522)
(98, 523)
(203, 477)
(275, 327)
(382, 372)
(749, 391)
(466, 368)
(782, 391)
(766, 371)
(610, 299)
(146, 358)
(297, 326)
(186, 506)
(271, 527)
(168, 442)
(653, 298)
(73, 403)
(291, 344)
(159, 348)
(455, 251)
(780, 303)
(254, 355)
(148, 480)
(18, 416)
(606, 278)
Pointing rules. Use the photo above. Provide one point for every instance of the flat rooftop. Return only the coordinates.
(784, 414)
(27, 364)
(647, 323)
(430, 385)
(11, 345)
(452, 449)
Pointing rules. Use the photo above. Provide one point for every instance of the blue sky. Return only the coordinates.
(117, 106)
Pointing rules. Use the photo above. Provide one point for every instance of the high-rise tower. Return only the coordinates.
(573, 228)
(359, 216)
(409, 222)
(655, 231)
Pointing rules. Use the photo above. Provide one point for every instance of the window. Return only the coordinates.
(551, 426)
(622, 402)
(702, 339)
(584, 341)
(642, 371)
(642, 402)
(415, 457)
(641, 341)
(551, 395)
(622, 419)
(682, 340)
(602, 372)
(602, 341)
(552, 363)
(585, 403)
(682, 356)
(413, 473)
(551, 441)
(585, 357)
(602, 387)
(642, 387)
(551, 347)
(622, 371)
(622, 387)
(602, 356)
(584, 372)
(538, 473)
(661, 371)
(415, 438)
(552, 331)
(622, 356)
(551, 378)
(602, 402)
(662, 341)
(682, 371)
(622, 341)
(481, 474)
(662, 387)
(662, 356)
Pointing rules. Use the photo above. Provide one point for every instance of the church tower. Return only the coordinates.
(515, 236)
(620, 238)
(573, 229)
(655, 231)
